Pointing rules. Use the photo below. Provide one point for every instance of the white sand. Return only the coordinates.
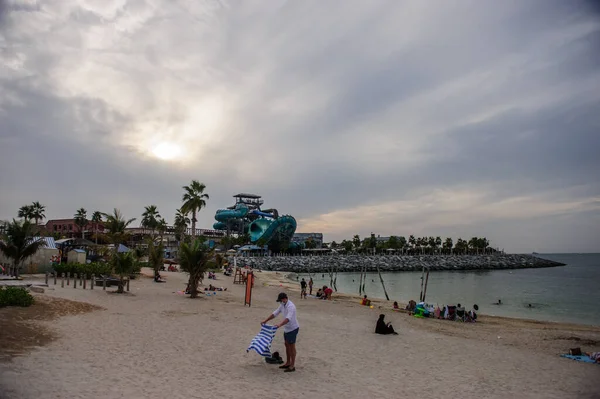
(158, 344)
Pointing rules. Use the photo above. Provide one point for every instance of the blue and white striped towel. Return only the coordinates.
(262, 342)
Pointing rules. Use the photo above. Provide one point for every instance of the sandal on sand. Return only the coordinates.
(285, 366)
(289, 370)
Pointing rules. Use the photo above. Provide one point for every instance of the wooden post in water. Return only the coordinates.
(55, 278)
(68, 278)
(47, 276)
(360, 280)
(364, 277)
(62, 280)
(81, 279)
(335, 278)
(93, 282)
(422, 282)
(128, 284)
(75, 280)
(426, 280)
(382, 284)
(331, 275)
(84, 281)
(104, 283)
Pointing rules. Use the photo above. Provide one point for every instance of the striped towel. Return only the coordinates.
(262, 342)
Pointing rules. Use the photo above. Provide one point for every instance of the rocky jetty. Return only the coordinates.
(395, 263)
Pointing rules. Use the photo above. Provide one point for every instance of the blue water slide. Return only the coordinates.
(219, 226)
(268, 215)
(281, 229)
(223, 215)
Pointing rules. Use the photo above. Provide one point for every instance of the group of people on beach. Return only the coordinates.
(449, 312)
(322, 293)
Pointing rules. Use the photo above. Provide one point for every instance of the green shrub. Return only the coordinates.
(137, 267)
(212, 266)
(15, 296)
(96, 268)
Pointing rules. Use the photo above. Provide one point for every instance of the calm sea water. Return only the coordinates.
(564, 294)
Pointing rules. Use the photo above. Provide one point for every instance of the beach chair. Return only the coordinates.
(238, 277)
(451, 309)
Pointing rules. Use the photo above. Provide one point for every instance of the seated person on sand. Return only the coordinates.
(411, 305)
(326, 293)
(365, 301)
(319, 293)
(384, 328)
(472, 315)
(158, 278)
(396, 307)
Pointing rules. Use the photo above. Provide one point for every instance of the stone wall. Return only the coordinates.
(389, 263)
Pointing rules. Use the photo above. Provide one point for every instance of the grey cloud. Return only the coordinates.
(326, 106)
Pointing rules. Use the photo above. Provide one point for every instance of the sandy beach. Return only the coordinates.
(155, 343)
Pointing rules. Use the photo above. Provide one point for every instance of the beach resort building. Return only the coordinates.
(302, 238)
(41, 261)
(68, 228)
(137, 238)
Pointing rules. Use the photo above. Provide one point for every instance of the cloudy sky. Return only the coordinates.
(452, 118)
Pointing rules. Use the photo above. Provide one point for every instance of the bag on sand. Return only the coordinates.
(575, 351)
(274, 359)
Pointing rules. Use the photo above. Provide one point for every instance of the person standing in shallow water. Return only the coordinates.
(303, 289)
(310, 285)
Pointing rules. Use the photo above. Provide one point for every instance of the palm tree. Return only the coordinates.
(193, 259)
(96, 219)
(155, 256)
(115, 225)
(81, 220)
(448, 244)
(402, 243)
(461, 245)
(356, 242)
(26, 212)
(180, 225)
(438, 242)
(194, 199)
(150, 218)
(412, 241)
(38, 212)
(161, 226)
(123, 264)
(18, 244)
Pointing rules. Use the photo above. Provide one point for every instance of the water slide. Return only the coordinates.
(239, 212)
(267, 227)
(281, 229)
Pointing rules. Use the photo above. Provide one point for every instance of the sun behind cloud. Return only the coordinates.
(167, 151)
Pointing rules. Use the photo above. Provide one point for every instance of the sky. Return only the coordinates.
(452, 118)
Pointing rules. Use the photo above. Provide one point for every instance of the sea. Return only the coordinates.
(568, 293)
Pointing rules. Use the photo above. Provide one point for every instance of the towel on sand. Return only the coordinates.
(582, 358)
(262, 342)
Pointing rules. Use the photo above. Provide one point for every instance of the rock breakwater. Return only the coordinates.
(395, 263)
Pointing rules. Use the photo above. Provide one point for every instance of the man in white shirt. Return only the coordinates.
(290, 330)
